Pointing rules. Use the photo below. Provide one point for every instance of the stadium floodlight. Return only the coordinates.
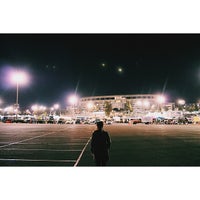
(73, 99)
(34, 108)
(161, 99)
(56, 106)
(181, 101)
(19, 78)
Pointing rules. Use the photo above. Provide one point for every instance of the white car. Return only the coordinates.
(109, 122)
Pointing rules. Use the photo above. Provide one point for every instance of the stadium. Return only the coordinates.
(137, 104)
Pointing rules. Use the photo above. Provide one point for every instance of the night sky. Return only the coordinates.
(90, 64)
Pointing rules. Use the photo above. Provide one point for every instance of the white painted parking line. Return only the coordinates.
(12, 143)
(79, 158)
(59, 144)
(4, 143)
(35, 160)
(57, 150)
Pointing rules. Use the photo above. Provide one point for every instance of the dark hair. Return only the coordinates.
(100, 124)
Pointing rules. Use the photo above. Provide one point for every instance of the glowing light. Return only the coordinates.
(9, 109)
(139, 103)
(90, 105)
(103, 64)
(181, 101)
(42, 108)
(161, 99)
(19, 77)
(120, 70)
(56, 106)
(146, 103)
(73, 99)
(34, 107)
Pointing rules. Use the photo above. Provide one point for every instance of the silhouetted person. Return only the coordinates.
(100, 145)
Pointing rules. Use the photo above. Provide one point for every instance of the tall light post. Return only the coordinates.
(18, 78)
(56, 107)
(1, 102)
(73, 100)
(160, 100)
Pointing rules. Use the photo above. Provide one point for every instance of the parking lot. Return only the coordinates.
(69, 145)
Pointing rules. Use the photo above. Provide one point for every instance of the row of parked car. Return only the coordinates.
(49, 120)
(160, 120)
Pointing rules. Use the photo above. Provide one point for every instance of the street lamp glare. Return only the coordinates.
(181, 101)
(34, 107)
(56, 106)
(19, 77)
(73, 99)
(161, 99)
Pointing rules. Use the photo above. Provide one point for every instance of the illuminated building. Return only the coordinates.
(138, 102)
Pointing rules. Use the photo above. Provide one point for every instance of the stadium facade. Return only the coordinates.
(140, 103)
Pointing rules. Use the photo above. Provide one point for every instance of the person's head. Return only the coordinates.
(100, 125)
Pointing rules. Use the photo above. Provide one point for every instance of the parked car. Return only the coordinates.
(69, 122)
(30, 120)
(19, 120)
(40, 121)
(7, 120)
(135, 121)
(109, 122)
(78, 121)
(61, 121)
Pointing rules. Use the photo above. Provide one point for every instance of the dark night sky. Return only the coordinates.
(61, 64)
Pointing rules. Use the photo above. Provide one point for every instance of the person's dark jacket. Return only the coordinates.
(100, 143)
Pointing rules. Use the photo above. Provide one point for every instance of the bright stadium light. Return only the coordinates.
(34, 108)
(73, 99)
(19, 78)
(181, 102)
(161, 99)
(56, 106)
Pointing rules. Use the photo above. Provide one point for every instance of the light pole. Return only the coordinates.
(18, 78)
(17, 95)
(160, 100)
(56, 107)
(1, 101)
(73, 101)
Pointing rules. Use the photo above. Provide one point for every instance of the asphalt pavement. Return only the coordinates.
(69, 145)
